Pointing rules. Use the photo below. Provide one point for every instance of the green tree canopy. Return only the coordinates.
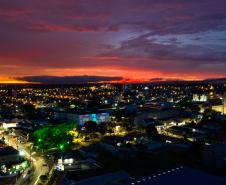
(54, 136)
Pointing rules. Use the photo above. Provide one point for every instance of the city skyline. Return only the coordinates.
(120, 41)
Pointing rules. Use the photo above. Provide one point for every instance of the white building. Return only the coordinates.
(7, 125)
(199, 98)
(81, 119)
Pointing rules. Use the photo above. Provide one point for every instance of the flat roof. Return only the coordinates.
(8, 151)
(104, 179)
(180, 176)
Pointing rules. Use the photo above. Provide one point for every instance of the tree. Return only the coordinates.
(54, 136)
(91, 126)
(102, 128)
(29, 110)
(209, 114)
(151, 131)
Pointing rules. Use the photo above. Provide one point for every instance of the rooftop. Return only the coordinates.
(180, 176)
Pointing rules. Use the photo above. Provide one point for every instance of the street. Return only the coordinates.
(38, 162)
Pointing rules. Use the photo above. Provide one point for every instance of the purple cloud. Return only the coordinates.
(173, 38)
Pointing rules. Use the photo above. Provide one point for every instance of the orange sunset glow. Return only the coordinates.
(126, 92)
(134, 41)
(4, 80)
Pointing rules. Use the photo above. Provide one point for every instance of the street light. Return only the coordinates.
(21, 153)
(61, 146)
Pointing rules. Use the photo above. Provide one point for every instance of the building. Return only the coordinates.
(72, 164)
(98, 118)
(167, 118)
(215, 155)
(179, 176)
(199, 98)
(7, 125)
(187, 133)
(9, 154)
(82, 118)
(107, 179)
(222, 107)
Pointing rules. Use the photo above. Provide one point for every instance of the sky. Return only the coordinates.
(112, 40)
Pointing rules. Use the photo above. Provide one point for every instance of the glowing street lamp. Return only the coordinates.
(61, 146)
(21, 153)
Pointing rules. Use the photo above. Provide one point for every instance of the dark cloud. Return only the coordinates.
(171, 38)
(145, 47)
(68, 79)
(156, 79)
(159, 17)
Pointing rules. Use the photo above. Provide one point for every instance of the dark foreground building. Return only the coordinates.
(180, 176)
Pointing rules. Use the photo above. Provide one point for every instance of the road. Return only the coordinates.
(37, 160)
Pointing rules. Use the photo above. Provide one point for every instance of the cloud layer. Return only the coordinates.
(138, 39)
(68, 79)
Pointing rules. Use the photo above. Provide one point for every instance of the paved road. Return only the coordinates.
(37, 161)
